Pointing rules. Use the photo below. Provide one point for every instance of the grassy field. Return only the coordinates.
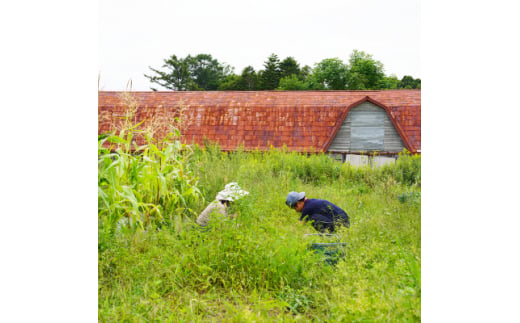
(160, 266)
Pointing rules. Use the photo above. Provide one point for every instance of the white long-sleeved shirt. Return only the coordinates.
(213, 208)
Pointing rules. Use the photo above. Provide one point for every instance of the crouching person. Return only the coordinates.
(220, 205)
(324, 215)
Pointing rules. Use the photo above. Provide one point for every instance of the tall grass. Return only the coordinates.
(257, 267)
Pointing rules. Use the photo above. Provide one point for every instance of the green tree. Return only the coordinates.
(289, 67)
(249, 78)
(206, 72)
(364, 73)
(270, 76)
(232, 82)
(200, 72)
(177, 77)
(390, 82)
(408, 82)
(292, 83)
(329, 74)
(305, 72)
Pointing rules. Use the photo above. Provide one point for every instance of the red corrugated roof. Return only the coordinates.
(300, 120)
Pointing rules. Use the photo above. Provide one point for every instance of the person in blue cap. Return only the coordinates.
(324, 215)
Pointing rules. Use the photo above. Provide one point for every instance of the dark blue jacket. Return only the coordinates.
(324, 215)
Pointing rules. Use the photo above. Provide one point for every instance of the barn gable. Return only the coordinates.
(367, 127)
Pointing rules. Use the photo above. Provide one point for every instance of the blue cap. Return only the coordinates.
(294, 197)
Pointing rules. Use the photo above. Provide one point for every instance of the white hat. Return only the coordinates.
(231, 192)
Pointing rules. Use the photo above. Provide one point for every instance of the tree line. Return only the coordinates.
(205, 73)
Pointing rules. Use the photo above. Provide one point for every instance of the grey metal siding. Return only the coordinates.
(367, 127)
(342, 140)
(393, 141)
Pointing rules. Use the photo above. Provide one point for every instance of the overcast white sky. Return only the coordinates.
(134, 35)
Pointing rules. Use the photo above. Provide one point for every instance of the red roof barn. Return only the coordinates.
(384, 121)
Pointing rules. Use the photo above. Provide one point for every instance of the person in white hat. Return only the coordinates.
(220, 205)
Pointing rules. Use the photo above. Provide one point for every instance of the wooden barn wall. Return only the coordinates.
(367, 127)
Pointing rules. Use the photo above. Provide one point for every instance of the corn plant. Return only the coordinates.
(143, 184)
